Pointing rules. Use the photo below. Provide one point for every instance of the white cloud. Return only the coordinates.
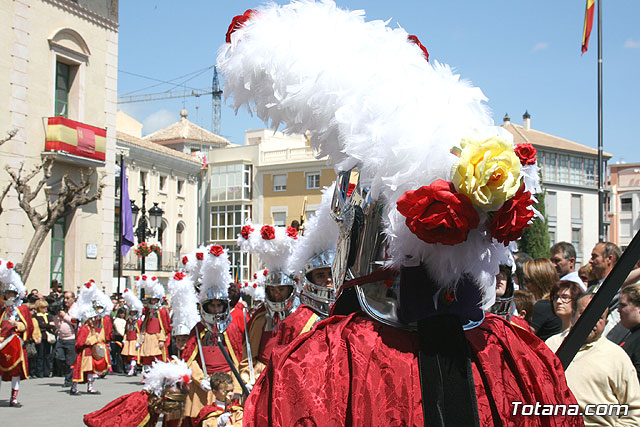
(632, 44)
(158, 120)
(540, 46)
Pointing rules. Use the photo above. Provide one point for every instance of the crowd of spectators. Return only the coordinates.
(552, 293)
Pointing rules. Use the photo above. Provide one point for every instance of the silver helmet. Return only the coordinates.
(320, 296)
(279, 310)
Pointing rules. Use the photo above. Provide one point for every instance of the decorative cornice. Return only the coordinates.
(84, 13)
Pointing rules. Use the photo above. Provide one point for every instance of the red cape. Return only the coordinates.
(130, 410)
(352, 370)
(190, 352)
(14, 365)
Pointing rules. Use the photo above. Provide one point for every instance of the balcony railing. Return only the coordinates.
(289, 154)
(168, 261)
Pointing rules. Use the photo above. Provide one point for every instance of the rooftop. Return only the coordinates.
(186, 131)
(542, 139)
(121, 136)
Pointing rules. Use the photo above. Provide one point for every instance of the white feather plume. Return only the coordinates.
(274, 253)
(184, 304)
(151, 285)
(215, 274)
(371, 100)
(10, 278)
(163, 375)
(83, 309)
(320, 234)
(132, 301)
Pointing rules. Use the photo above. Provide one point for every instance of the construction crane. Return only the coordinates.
(214, 91)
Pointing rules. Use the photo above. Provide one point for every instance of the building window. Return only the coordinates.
(279, 218)
(576, 241)
(590, 171)
(576, 207)
(162, 184)
(57, 250)
(179, 234)
(313, 181)
(279, 182)
(63, 87)
(576, 175)
(625, 228)
(180, 187)
(227, 220)
(551, 205)
(626, 204)
(143, 179)
(552, 236)
(563, 169)
(230, 182)
(239, 263)
(549, 167)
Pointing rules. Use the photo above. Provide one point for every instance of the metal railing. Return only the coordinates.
(168, 261)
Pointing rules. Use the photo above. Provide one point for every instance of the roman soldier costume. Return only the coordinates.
(130, 341)
(429, 197)
(16, 327)
(214, 344)
(92, 357)
(155, 331)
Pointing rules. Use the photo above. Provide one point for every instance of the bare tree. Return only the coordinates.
(59, 203)
(10, 134)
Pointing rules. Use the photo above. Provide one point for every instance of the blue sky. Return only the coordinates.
(524, 55)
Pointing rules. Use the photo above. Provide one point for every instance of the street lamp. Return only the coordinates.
(143, 231)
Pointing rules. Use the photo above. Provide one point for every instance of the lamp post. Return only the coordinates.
(144, 229)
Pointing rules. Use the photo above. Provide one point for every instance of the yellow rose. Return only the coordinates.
(488, 172)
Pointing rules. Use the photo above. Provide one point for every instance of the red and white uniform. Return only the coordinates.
(156, 337)
(13, 356)
(85, 364)
(130, 340)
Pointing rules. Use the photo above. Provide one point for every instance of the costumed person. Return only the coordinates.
(130, 347)
(215, 344)
(184, 308)
(92, 357)
(223, 411)
(239, 309)
(155, 331)
(505, 305)
(16, 327)
(282, 318)
(314, 255)
(164, 392)
(429, 196)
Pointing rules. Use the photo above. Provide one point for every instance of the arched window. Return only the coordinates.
(179, 237)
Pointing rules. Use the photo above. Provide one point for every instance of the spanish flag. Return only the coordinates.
(588, 24)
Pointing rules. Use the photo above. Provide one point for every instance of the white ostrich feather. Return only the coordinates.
(166, 375)
(371, 100)
(184, 302)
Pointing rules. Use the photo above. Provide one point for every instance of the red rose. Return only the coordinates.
(9, 265)
(265, 272)
(255, 275)
(137, 277)
(186, 379)
(268, 232)
(292, 232)
(511, 219)
(246, 285)
(154, 278)
(526, 153)
(438, 214)
(144, 277)
(238, 22)
(415, 40)
(255, 285)
(185, 260)
(216, 250)
(87, 285)
(179, 275)
(245, 231)
(199, 256)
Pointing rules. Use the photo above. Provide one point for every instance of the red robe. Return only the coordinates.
(14, 357)
(213, 358)
(352, 370)
(157, 325)
(237, 316)
(85, 363)
(130, 410)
